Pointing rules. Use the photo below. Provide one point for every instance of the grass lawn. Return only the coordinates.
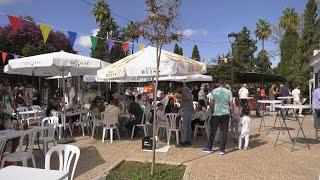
(137, 170)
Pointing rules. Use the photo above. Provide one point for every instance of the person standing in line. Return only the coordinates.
(222, 99)
(245, 130)
(296, 94)
(187, 110)
(316, 108)
(272, 92)
(243, 95)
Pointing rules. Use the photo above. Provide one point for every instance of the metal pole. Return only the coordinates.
(232, 71)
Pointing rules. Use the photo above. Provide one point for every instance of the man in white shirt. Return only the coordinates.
(243, 95)
(296, 98)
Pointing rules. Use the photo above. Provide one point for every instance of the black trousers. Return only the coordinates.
(215, 122)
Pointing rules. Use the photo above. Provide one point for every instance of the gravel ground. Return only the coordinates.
(262, 161)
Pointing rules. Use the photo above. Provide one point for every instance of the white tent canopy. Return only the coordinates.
(53, 64)
(142, 64)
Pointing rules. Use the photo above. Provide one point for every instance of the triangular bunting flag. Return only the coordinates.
(45, 30)
(15, 56)
(4, 57)
(125, 46)
(110, 44)
(72, 37)
(141, 47)
(225, 60)
(15, 22)
(94, 41)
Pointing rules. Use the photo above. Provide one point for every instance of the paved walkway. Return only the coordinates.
(261, 161)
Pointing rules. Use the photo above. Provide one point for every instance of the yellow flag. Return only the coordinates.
(225, 60)
(141, 46)
(45, 30)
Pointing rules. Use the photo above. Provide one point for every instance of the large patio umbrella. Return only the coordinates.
(188, 78)
(142, 64)
(55, 64)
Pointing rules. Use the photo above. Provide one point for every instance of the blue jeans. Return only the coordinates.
(186, 126)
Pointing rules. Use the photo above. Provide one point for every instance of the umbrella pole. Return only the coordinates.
(64, 139)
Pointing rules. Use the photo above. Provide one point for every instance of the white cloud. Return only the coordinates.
(85, 41)
(192, 32)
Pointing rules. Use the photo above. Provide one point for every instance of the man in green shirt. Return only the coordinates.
(222, 100)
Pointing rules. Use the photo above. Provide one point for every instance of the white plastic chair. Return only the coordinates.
(143, 124)
(95, 122)
(35, 107)
(47, 135)
(205, 126)
(22, 155)
(24, 117)
(172, 120)
(66, 153)
(107, 126)
(60, 126)
(79, 122)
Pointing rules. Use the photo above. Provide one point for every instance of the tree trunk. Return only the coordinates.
(262, 44)
(132, 47)
(159, 47)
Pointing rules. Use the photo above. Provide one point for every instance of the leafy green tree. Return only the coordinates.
(290, 19)
(223, 68)
(195, 53)
(176, 49)
(263, 64)
(181, 51)
(108, 29)
(131, 32)
(243, 51)
(306, 45)
(263, 31)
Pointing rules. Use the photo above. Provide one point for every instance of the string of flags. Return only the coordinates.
(5, 54)
(45, 29)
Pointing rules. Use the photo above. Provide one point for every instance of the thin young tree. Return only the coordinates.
(160, 28)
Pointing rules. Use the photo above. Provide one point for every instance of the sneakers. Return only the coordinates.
(207, 149)
(222, 153)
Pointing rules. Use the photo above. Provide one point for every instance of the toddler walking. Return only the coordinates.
(245, 130)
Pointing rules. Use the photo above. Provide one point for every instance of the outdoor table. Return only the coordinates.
(272, 109)
(284, 126)
(27, 173)
(285, 97)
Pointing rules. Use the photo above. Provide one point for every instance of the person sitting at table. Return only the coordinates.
(114, 112)
(6, 123)
(200, 114)
(53, 106)
(136, 110)
(139, 100)
(102, 107)
(257, 97)
(272, 92)
(95, 108)
(20, 98)
(171, 107)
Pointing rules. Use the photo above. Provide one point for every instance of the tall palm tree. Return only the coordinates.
(289, 19)
(132, 33)
(101, 11)
(263, 30)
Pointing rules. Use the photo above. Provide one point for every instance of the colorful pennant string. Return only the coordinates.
(45, 30)
(72, 37)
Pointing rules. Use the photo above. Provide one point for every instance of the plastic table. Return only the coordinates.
(27, 173)
(284, 126)
(272, 109)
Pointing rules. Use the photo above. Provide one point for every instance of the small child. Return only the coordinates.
(245, 130)
(234, 124)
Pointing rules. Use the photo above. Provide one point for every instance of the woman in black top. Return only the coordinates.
(171, 107)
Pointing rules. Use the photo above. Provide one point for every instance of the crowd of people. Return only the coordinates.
(229, 107)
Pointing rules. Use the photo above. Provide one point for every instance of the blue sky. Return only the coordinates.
(202, 21)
